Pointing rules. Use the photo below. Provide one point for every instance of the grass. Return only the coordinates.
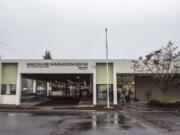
(165, 102)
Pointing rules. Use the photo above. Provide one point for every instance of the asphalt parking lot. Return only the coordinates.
(132, 121)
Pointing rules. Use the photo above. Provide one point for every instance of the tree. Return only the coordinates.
(162, 65)
(47, 55)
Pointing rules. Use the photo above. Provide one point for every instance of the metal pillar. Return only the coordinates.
(107, 70)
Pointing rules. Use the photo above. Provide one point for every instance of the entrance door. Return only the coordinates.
(102, 92)
(125, 83)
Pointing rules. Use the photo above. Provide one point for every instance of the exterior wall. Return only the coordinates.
(144, 84)
(55, 68)
(124, 66)
(101, 73)
(40, 67)
(8, 76)
(8, 99)
(9, 73)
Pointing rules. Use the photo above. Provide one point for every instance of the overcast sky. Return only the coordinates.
(76, 28)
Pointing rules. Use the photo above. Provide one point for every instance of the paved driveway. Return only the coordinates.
(135, 120)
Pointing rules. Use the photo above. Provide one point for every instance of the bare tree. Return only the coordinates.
(162, 66)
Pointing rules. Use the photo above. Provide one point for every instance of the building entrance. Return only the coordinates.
(57, 85)
(125, 87)
(102, 92)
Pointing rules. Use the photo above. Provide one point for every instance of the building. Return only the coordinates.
(86, 78)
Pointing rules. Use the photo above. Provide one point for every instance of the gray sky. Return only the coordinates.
(76, 28)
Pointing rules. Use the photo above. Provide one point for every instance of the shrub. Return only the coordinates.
(166, 102)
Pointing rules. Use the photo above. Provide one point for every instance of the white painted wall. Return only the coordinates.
(58, 69)
(124, 66)
(8, 99)
(120, 66)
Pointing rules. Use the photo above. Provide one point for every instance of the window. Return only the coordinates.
(125, 82)
(102, 92)
(8, 89)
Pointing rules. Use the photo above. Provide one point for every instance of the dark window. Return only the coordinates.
(8, 89)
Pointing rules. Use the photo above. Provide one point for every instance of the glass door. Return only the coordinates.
(102, 92)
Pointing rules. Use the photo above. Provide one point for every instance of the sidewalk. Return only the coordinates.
(55, 109)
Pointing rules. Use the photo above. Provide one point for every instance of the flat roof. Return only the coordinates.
(98, 60)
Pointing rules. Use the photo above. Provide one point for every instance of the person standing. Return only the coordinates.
(149, 94)
(126, 96)
(123, 97)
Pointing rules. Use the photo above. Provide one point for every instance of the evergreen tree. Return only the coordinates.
(47, 55)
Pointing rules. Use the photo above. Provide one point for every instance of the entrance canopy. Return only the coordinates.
(58, 84)
(59, 77)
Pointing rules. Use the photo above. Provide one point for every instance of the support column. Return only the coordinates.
(114, 85)
(18, 88)
(91, 85)
(94, 89)
(34, 86)
(8, 89)
(0, 76)
(48, 88)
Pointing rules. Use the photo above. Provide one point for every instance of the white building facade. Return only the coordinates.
(121, 76)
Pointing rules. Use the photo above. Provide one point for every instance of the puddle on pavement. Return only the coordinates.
(89, 121)
(94, 121)
(68, 123)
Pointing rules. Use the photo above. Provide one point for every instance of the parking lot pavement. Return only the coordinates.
(129, 122)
